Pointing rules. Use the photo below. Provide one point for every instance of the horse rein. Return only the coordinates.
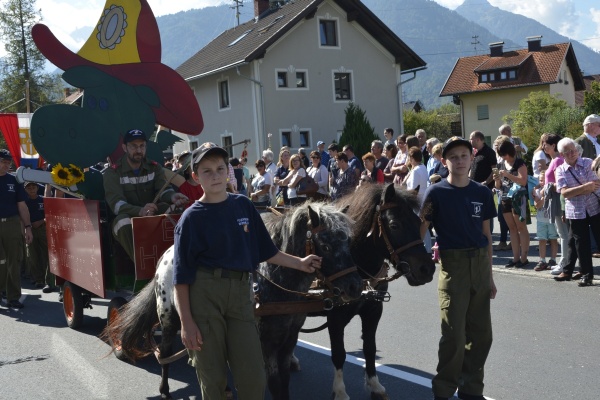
(394, 253)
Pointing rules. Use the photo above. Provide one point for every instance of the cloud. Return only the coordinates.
(595, 43)
(451, 4)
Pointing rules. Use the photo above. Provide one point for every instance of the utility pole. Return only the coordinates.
(475, 42)
(237, 5)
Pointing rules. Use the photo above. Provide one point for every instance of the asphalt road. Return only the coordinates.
(545, 347)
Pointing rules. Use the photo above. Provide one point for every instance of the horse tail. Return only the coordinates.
(133, 329)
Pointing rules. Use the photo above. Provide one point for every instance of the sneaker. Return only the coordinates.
(541, 266)
(556, 271)
(502, 246)
(48, 289)
(15, 304)
(522, 264)
(552, 264)
(512, 264)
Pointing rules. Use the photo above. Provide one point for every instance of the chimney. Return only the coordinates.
(260, 6)
(496, 49)
(534, 43)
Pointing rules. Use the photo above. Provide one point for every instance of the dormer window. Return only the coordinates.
(498, 76)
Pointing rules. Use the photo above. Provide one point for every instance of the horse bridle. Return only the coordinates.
(394, 253)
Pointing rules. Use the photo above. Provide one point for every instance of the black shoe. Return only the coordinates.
(562, 277)
(39, 285)
(585, 281)
(15, 304)
(522, 264)
(512, 264)
(464, 396)
(48, 289)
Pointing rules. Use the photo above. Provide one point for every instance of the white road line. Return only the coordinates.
(396, 373)
(81, 369)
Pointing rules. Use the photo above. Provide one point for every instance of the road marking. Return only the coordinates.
(396, 373)
(85, 373)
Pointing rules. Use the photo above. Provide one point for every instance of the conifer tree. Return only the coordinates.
(357, 131)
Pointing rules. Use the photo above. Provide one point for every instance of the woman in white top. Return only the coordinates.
(417, 178)
(297, 172)
(400, 167)
(261, 185)
(540, 160)
(319, 173)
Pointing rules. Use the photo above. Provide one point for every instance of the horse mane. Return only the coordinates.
(362, 205)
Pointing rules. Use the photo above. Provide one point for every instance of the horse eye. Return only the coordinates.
(394, 227)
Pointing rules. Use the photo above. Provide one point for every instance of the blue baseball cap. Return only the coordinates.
(455, 141)
(134, 134)
(205, 149)
(5, 154)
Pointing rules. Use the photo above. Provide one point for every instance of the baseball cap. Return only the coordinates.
(27, 183)
(5, 154)
(320, 142)
(207, 148)
(134, 134)
(591, 119)
(453, 142)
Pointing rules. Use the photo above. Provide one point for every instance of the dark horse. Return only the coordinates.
(386, 227)
(279, 333)
(131, 332)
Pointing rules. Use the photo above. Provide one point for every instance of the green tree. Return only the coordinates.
(532, 117)
(591, 99)
(437, 122)
(23, 63)
(357, 130)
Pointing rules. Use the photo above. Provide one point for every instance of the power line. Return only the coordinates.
(237, 5)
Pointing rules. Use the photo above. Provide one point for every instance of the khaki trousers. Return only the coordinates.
(224, 312)
(464, 296)
(11, 255)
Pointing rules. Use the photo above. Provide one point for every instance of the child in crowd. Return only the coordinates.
(546, 231)
(219, 242)
(37, 250)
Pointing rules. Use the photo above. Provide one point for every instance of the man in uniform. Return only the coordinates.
(131, 184)
(13, 212)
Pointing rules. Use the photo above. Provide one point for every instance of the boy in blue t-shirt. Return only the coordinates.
(219, 242)
(460, 210)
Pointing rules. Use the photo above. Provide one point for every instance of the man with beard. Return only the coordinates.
(130, 186)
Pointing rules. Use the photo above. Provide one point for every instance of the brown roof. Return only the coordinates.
(588, 86)
(224, 52)
(534, 68)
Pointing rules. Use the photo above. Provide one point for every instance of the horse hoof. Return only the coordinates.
(379, 396)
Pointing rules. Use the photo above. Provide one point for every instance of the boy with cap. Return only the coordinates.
(219, 242)
(130, 186)
(460, 210)
(14, 218)
(37, 250)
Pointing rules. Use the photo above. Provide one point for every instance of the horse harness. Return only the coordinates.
(321, 296)
(381, 276)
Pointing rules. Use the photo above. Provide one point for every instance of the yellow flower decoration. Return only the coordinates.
(66, 176)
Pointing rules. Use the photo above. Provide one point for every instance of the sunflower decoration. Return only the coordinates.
(66, 176)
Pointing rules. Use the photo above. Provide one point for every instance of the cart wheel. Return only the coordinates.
(73, 305)
(113, 313)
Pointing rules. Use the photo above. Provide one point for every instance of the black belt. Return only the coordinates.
(225, 273)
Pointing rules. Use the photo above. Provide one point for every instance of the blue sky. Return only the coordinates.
(576, 19)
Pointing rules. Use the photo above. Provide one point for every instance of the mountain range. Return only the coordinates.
(438, 35)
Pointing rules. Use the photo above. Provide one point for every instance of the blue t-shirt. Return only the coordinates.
(11, 192)
(457, 214)
(229, 235)
(36, 208)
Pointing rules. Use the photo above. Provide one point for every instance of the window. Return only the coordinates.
(328, 33)
(304, 139)
(224, 94)
(484, 77)
(512, 74)
(342, 86)
(492, 76)
(282, 79)
(483, 112)
(226, 143)
(286, 139)
(301, 79)
(503, 75)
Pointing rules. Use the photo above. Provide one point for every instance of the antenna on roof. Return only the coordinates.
(475, 42)
(237, 5)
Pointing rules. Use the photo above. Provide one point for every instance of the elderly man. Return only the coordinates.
(520, 147)
(14, 223)
(131, 185)
(588, 140)
(380, 160)
(422, 136)
(580, 187)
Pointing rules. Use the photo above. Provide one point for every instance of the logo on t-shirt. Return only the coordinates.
(244, 222)
(477, 207)
(11, 187)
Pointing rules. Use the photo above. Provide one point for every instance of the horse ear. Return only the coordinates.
(345, 209)
(390, 194)
(415, 191)
(314, 217)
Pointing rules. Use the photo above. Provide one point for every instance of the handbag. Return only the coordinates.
(307, 186)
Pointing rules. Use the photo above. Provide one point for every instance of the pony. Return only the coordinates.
(131, 332)
(386, 228)
(279, 333)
